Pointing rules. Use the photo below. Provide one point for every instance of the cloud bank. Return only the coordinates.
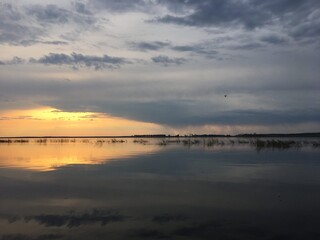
(172, 61)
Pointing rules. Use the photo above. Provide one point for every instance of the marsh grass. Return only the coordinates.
(258, 143)
(316, 144)
(277, 144)
(114, 140)
(140, 141)
(8, 141)
(189, 142)
(211, 142)
(163, 143)
(41, 141)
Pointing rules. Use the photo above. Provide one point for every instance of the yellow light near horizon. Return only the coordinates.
(55, 114)
(51, 121)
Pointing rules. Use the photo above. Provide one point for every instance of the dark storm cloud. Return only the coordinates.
(166, 61)
(179, 113)
(76, 60)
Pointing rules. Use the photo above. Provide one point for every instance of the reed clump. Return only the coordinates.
(163, 143)
(140, 141)
(316, 144)
(41, 141)
(278, 144)
(9, 141)
(114, 140)
(189, 142)
(211, 142)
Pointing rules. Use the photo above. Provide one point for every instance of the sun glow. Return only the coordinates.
(47, 121)
(55, 114)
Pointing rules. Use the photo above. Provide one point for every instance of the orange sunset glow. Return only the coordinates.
(50, 121)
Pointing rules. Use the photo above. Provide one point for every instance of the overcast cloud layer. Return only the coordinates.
(178, 63)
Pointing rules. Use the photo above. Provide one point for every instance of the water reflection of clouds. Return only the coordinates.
(173, 193)
(48, 155)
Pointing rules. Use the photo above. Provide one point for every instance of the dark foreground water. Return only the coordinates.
(95, 189)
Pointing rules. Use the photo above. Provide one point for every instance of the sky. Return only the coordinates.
(102, 67)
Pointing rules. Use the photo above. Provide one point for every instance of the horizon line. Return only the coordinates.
(176, 135)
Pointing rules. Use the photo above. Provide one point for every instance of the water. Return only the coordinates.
(95, 189)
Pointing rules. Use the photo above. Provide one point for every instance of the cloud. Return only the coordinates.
(49, 14)
(122, 5)
(265, 86)
(218, 13)
(195, 230)
(146, 233)
(13, 61)
(189, 101)
(246, 46)
(309, 27)
(274, 39)
(30, 237)
(72, 220)
(27, 24)
(200, 49)
(165, 218)
(32, 42)
(149, 46)
(54, 42)
(298, 19)
(81, 8)
(53, 14)
(166, 61)
(77, 60)
(250, 14)
(15, 27)
(180, 113)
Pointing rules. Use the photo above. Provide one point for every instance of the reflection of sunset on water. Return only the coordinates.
(48, 155)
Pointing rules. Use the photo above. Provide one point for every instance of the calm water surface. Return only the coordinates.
(99, 189)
